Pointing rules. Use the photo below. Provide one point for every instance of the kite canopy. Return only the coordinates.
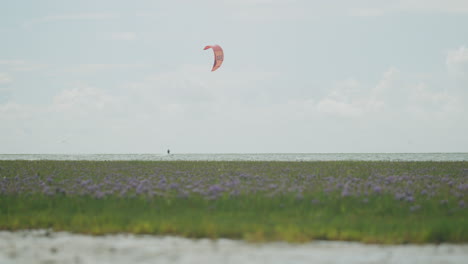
(218, 56)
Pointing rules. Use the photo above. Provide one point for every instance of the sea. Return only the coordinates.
(248, 157)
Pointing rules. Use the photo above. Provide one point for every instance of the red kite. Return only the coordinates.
(218, 56)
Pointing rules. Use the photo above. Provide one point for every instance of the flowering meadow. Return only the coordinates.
(368, 201)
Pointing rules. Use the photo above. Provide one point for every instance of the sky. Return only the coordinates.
(299, 76)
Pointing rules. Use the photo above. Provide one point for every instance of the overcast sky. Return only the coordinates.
(308, 76)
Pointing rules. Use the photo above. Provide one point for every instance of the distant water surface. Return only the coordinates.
(248, 157)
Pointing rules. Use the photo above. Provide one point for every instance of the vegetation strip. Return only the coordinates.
(368, 201)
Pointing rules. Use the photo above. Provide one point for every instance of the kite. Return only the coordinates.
(218, 56)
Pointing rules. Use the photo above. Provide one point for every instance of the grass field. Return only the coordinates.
(374, 202)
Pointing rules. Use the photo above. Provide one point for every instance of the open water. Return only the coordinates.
(249, 157)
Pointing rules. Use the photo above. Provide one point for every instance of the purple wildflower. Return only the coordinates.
(315, 201)
(462, 204)
(377, 189)
(444, 202)
(409, 199)
(415, 208)
(399, 196)
(299, 196)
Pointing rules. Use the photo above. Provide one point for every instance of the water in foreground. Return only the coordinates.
(42, 246)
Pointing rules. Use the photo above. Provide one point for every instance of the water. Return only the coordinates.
(40, 246)
(248, 157)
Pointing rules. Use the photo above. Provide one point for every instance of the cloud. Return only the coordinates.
(306, 9)
(391, 91)
(339, 108)
(22, 65)
(17, 112)
(457, 61)
(293, 10)
(84, 114)
(457, 67)
(5, 78)
(434, 6)
(373, 8)
(80, 16)
(262, 10)
(366, 12)
(194, 110)
(99, 67)
(72, 17)
(351, 99)
(84, 101)
(195, 83)
(124, 35)
(342, 100)
(189, 92)
(432, 106)
(394, 96)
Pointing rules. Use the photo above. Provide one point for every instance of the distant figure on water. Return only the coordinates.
(168, 152)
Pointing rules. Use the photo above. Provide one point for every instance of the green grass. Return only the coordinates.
(250, 218)
(253, 216)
